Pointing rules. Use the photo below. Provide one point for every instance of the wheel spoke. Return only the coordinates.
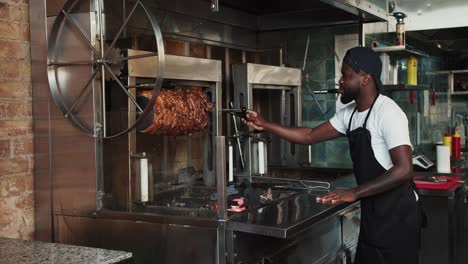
(77, 29)
(123, 88)
(71, 63)
(95, 71)
(134, 57)
(121, 30)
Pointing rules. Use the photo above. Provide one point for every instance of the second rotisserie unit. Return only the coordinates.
(274, 92)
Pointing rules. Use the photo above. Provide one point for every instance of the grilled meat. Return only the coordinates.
(179, 111)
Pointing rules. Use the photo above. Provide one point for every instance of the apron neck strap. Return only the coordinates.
(370, 109)
(368, 114)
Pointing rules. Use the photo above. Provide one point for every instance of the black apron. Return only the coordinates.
(390, 220)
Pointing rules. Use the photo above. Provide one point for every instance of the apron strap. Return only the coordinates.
(370, 109)
(351, 118)
(367, 117)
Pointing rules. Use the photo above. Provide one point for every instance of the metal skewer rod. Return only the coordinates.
(239, 147)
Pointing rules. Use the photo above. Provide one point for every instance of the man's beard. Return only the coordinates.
(349, 95)
(345, 99)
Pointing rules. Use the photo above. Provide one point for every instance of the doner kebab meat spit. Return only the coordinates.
(179, 111)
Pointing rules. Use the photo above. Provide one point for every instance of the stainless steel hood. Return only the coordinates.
(277, 14)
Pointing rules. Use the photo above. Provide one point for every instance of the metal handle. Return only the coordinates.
(237, 136)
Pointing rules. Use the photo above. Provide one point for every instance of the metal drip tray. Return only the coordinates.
(202, 201)
(257, 195)
(182, 201)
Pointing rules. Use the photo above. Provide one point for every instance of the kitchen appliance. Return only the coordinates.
(422, 161)
(274, 92)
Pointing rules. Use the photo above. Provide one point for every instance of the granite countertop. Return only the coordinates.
(15, 251)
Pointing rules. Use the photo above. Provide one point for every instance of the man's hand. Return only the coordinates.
(338, 196)
(254, 120)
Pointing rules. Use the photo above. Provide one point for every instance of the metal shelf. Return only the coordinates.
(451, 80)
(401, 51)
(404, 87)
(459, 93)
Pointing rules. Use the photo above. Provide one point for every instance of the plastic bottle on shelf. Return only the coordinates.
(460, 129)
(447, 141)
(456, 145)
(412, 71)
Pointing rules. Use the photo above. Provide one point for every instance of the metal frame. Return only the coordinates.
(249, 76)
(189, 71)
(100, 62)
(452, 83)
(198, 72)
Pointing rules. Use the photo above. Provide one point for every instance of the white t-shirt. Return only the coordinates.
(387, 125)
(339, 105)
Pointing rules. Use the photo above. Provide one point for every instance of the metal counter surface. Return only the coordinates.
(30, 252)
(289, 216)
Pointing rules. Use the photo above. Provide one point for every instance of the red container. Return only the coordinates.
(456, 146)
(437, 182)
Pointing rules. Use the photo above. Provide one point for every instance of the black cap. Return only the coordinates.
(366, 60)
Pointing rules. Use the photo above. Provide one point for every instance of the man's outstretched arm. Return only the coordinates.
(300, 135)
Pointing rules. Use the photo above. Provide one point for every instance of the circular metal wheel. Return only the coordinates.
(82, 99)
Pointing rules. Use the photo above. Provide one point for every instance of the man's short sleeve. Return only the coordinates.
(394, 128)
(337, 121)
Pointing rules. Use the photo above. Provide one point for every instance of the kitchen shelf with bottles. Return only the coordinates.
(457, 81)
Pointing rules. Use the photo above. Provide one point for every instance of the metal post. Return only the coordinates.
(220, 171)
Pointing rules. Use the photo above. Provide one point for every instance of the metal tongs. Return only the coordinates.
(242, 113)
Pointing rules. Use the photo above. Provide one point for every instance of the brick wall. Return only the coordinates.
(16, 147)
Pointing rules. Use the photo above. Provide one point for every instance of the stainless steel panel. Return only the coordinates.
(58, 166)
(220, 172)
(194, 21)
(268, 89)
(55, 6)
(303, 19)
(62, 180)
(273, 75)
(350, 223)
(73, 178)
(148, 241)
(43, 223)
(286, 218)
(200, 9)
(366, 10)
(67, 82)
(177, 67)
(318, 244)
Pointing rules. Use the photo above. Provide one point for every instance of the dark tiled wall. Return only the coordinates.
(320, 68)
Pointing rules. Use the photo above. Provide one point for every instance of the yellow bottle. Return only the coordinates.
(412, 73)
(447, 141)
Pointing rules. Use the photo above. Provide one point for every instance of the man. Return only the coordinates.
(380, 149)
